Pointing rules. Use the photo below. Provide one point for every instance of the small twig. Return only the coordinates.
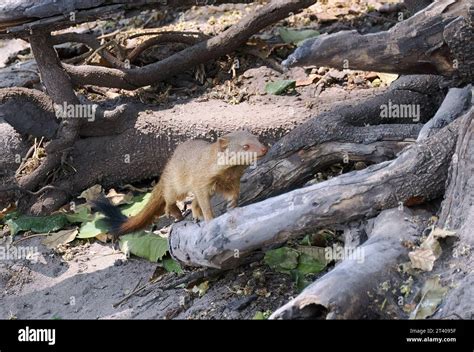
(28, 237)
(23, 163)
(96, 51)
(159, 32)
(134, 292)
(166, 37)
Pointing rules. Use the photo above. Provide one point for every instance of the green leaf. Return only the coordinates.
(37, 224)
(432, 295)
(279, 87)
(172, 266)
(292, 36)
(82, 213)
(262, 315)
(11, 215)
(93, 228)
(139, 203)
(144, 245)
(299, 280)
(309, 265)
(306, 241)
(282, 259)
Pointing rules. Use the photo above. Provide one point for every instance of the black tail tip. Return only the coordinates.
(113, 216)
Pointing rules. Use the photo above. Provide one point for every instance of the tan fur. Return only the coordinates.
(194, 168)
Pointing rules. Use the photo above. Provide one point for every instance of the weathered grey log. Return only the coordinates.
(457, 215)
(13, 148)
(353, 288)
(416, 5)
(457, 100)
(438, 39)
(416, 176)
(289, 163)
(19, 17)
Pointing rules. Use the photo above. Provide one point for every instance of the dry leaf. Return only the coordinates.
(442, 233)
(309, 80)
(5, 211)
(422, 259)
(430, 250)
(102, 237)
(61, 237)
(387, 78)
(432, 295)
(91, 193)
(119, 198)
(432, 244)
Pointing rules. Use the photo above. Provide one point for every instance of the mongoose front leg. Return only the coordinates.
(196, 209)
(204, 201)
(232, 201)
(233, 198)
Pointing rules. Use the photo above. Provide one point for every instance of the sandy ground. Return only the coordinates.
(96, 277)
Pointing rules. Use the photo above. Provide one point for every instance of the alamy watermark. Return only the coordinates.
(400, 111)
(78, 111)
(227, 158)
(338, 252)
(37, 335)
(8, 252)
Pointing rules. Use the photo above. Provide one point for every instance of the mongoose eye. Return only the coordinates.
(246, 147)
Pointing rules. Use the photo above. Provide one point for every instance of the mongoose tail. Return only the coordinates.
(119, 224)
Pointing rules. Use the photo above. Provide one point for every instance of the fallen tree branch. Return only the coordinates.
(166, 37)
(225, 42)
(457, 100)
(60, 90)
(289, 163)
(29, 111)
(19, 20)
(92, 43)
(457, 214)
(354, 288)
(437, 40)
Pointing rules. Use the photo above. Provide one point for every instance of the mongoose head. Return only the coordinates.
(241, 148)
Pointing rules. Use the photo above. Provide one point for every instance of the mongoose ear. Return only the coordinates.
(223, 143)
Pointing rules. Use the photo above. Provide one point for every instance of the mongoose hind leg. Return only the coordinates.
(173, 210)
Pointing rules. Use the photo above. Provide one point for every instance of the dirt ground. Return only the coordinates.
(87, 280)
(97, 277)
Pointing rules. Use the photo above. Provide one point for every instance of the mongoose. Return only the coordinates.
(197, 167)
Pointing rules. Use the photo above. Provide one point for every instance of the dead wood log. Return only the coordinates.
(457, 100)
(29, 111)
(225, 42)
(457, 215)
(354, 288)
(133, 142)
(60, 90)
(438, 39)
(417, 175)
(19, 17)
(291, 162)
(416, 5)
(13, 149)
